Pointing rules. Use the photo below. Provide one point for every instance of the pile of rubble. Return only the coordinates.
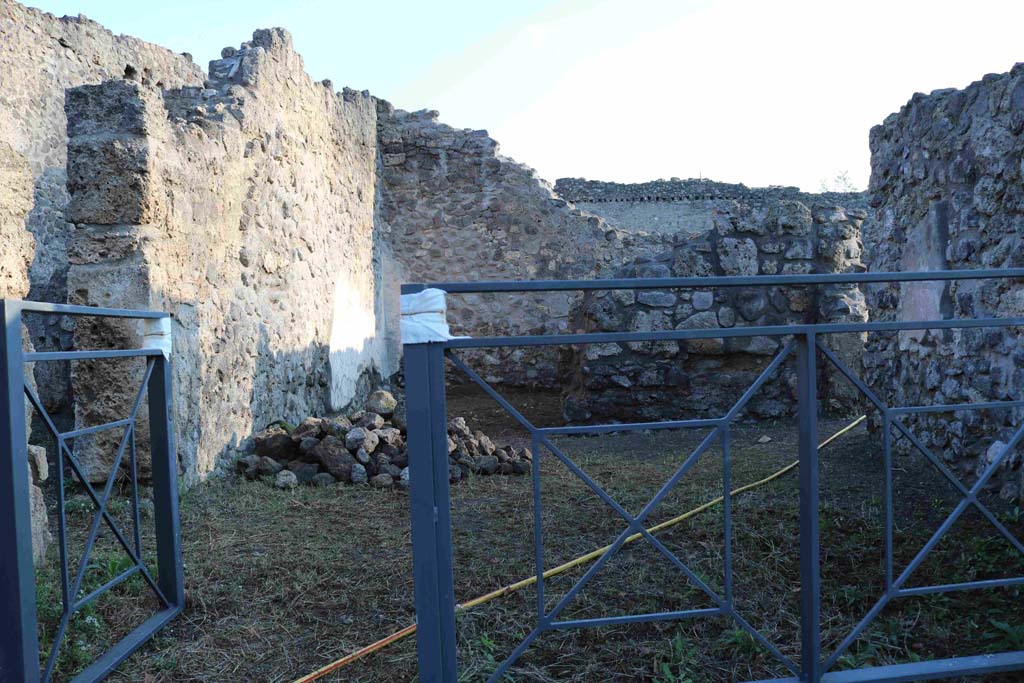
(368, 447)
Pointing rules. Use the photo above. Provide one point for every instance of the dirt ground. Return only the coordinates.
(281, 583)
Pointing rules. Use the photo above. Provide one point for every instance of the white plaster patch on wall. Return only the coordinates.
(354, 344)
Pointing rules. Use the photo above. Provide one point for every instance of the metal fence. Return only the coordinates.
(431, 517)
(19, 643)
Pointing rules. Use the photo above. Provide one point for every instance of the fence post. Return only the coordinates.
(810, 570)
(19, 645)
(430, 512)
(165, 483)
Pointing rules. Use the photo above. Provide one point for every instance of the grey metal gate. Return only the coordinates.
(431, 517)
(19, 643)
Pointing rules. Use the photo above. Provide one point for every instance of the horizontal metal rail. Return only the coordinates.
(117, 580)
(965, 586)
(636, 618)
(495, 286)
(727, 332)
(97, 428)
(95, 311)
(629, 427)
(921, 671)
(45, 356)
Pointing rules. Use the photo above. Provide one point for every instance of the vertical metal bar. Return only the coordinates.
(538, 531)
(134, 474)
(430, 512)
(727, 513)
(810, 570)
(62, 532)
(165, 483)
(19, 644)
(887, 463)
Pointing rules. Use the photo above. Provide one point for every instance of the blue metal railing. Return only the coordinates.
(431, 514)
(19, 643)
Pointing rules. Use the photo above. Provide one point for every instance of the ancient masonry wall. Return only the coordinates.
(947, 187)
(686, 206)
(16, 247)
(246, 209)
(40, 56)
(454, 209)
(703, 378)
(274, 218)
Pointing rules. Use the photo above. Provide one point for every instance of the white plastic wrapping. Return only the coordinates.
(157, 335)
(423, 317)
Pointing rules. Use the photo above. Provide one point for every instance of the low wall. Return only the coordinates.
(455, 209)
(703, 378)
(683, 206)
(947, 187)
(246, 210)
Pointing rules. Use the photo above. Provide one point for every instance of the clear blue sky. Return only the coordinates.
(754, 91)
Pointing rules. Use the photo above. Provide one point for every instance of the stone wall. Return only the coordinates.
(274, 218)
(703, 378)
(16, 247)
(454, 209)
(947, 185)
(246, 210)
(40, 56)
(688, 206)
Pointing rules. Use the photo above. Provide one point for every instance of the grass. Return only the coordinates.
(280, 583)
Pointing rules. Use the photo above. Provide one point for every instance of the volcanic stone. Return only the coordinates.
(381, 402)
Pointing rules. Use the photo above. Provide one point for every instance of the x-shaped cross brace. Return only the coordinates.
(635, 524)
(100, 501)
(969, 498)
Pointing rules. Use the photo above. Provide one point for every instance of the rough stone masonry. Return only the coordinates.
(703, 378)
(16, 246)
(274, 216)
(245, 208)
(947, 185)
(40, 56)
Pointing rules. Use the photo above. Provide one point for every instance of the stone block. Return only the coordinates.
(115, 107)
(737, 256)
(110, 181)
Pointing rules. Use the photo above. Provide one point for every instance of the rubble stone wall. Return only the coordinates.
(454, 209)
(688, 206)
(40, 56)
(274, 218)
(947, 187)
(16, 248)
(703, 378)
(246, 210)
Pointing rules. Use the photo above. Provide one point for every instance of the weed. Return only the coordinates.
(675, 667)
(1005, 637)
(738, 642)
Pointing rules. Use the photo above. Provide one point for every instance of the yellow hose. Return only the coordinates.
(562, 568)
